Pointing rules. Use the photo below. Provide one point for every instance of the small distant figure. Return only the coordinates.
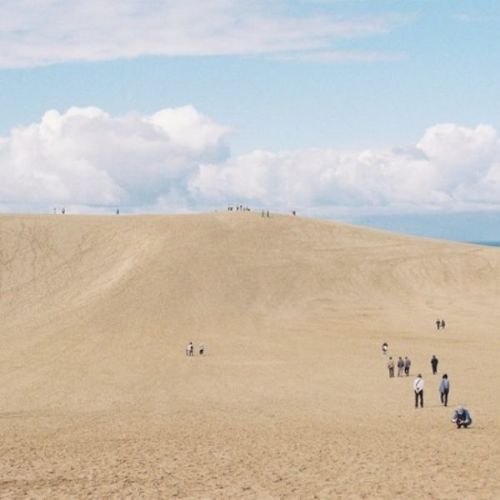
(55, 211)
(263, 213)
(407, 365)
(462, 417)
(63, 210)
(202, 350)
(117, 211)
(293, 213)
(390, 366)
(434, 364)
(267, 213)
(443, 324)
(438, 324)
(444, 389)
(190, 349)
(418, 388)
(401, 366)
(385, 347)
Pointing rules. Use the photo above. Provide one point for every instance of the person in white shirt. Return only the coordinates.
(418, 387)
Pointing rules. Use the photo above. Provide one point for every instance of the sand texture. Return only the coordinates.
(292, 398)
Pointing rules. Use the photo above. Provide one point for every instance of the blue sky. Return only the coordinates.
(363, 110)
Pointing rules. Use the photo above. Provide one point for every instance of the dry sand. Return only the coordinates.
(291, 400)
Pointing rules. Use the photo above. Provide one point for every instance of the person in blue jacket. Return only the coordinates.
(462, 417)
(444, 389)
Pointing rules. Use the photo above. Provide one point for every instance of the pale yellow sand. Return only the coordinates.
(292, 399)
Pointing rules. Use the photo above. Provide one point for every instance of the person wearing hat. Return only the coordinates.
(462, 417)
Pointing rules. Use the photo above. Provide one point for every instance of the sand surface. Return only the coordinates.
(292, 398)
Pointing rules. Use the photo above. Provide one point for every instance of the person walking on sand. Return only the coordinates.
(444, 389)
(407, 365)
(385, 346)
(401, 366)
(434, 364)
(443, 324)
(190, 349)
(462, 417)
(418, 387)
(390, 365)
(438, 324)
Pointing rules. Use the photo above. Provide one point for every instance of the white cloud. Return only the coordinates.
(53, 31)
(177, 160)
(450, 168)
(85, 156)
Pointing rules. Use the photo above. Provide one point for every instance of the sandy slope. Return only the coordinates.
(292, 399)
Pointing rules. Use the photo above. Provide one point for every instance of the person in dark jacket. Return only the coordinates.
(407, 365)
(462, 417)
(444, 389)
(401, 366)
(434, 364)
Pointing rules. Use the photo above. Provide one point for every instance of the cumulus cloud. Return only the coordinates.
(450, 168)
(85, 156)
(52, 31)
(178, 160)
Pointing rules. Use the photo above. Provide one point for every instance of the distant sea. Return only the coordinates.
(487, 243)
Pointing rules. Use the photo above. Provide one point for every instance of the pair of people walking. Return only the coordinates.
(418, 388)
(440, 324)
(404, 366)
(190, 349)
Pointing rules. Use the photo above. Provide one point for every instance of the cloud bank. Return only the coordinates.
(87, 157)
(179, 159)
(42, 32)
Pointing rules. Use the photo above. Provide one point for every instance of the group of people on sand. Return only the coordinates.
(190, 349)
(242, 208)
(403, 366)
(461, 416)
(238, 208)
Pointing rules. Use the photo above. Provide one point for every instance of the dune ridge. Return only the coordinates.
(291, 400)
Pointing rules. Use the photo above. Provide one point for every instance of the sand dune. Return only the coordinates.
(291, 400)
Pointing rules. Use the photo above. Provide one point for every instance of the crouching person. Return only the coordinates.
(462, 417)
